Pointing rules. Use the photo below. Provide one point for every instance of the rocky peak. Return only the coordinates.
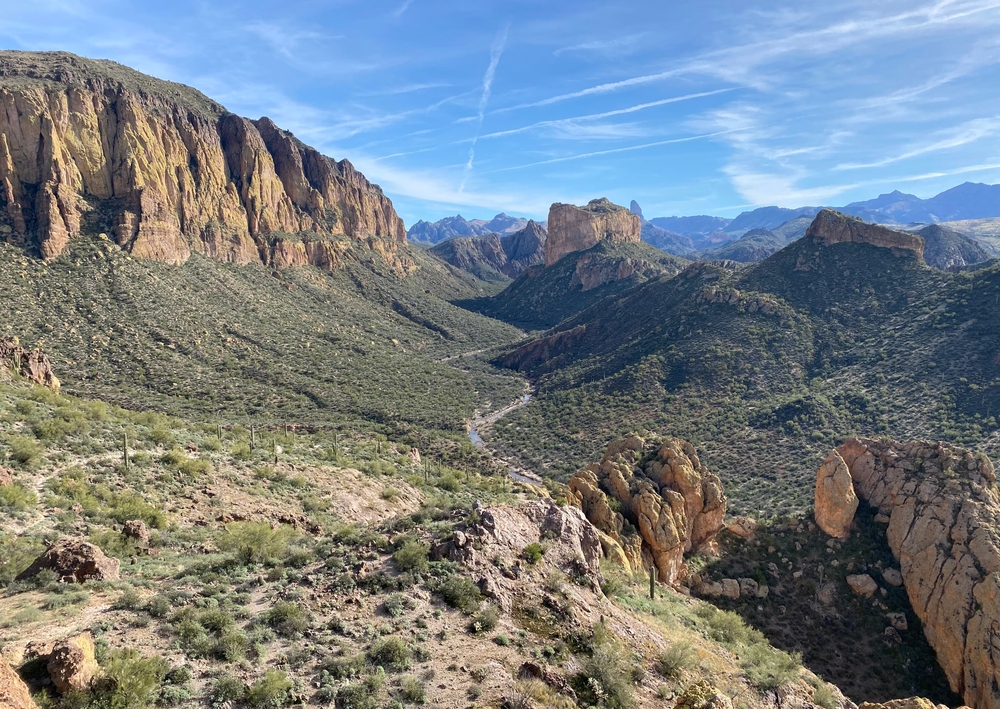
(942, 508)
(573, 228)
(92, 146)
(635, 209)
(832, 227)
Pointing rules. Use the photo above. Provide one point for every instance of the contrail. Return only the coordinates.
(496, 51)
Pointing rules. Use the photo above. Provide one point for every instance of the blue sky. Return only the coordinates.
(479, 107)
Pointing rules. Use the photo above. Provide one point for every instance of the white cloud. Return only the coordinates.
(968, 132)
(604, 46)
(496, 51)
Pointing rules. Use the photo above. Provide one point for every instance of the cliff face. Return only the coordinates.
(573, 228)
(93, 146)
(524, 248)
(831, 227)
(943, 510)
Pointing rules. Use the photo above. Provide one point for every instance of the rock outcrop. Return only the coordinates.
(831, 227)
(836, 501)
(92, 146)
(943, 510)
(75, 561)
(33, 365)
(13, 691)
(573, 228)
(71, 663)
(502, 533)
(524, 248)
(669, 503)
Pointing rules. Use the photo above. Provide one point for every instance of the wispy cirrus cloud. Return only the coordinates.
(968, 132)
(604, 46)
(496, 51)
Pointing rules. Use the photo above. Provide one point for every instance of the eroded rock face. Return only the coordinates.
(33, 365)
(93, 146)
(831, 227)
(13, 691)
(573, 228)
(75, 560)
(836, 501)
(943, 508)
(72, 664)
(655, 499)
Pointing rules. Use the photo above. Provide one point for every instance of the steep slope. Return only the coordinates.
(450, 227)
(793, 229)
(543, 296)
(213, 339)
(754, 245)
(698, 226)
(946, 248)
(767, 218)
(524, 248)
(91, 146)
(969, 200)
(664, 240)
(845, 330)
(482, 256)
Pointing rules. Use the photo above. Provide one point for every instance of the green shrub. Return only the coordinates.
(824, 696)
(412, 556)
(240, 451)
(344, 667)
(769, 668)
(129, 680)
(287, 619)
(271, 690)
(533, 553)
(412, 690)
(391, 653)
(396, 604)
(677, 657)
(17, 498)
(485, 620)
(389, 494)
(16, 554)
(459, 592)
(25, 451)
(256, 542)
(228, 689)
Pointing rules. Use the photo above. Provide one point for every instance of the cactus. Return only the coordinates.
(652, 583)
(125, 449)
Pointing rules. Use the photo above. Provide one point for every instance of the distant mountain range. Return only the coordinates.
(450, 227)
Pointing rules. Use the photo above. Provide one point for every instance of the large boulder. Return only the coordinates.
(6, 477)
(656, 499)
(75, 560)
(573, 228)
(33, 365)
(72, 664)
(836, 501)
(943, 511)
(13, 691)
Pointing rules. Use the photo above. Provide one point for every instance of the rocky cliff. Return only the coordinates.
(524, 248)
(573, 228)
(942, 508)
(92, 146)
(33, 365)
(653, 501)
(831, 227)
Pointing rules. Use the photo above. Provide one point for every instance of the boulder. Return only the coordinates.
(836, 501)
(6, 477)
(72, 664)
(911, 703)
(136, 529)
(943, 507)
(572, 228)
(702, 695)
(730, 588)
(862, 584)
(13, 691)
(75, 560)
(898, 621)
(893, 577)
(743, 527)
(669, 503)
(33, 365)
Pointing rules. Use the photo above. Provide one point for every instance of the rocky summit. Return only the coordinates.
(831, 227)
(573, 228)
(93, 146)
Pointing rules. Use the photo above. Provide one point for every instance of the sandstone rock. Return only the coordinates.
(573, 228)
(911, 703)
(172, 171)
(893, 577)
(743, 527)
(136, 529)
(670, 504)
(6, 477)
(730, 588)
(831, 227)
(414, 456)
(944, 528)
(33, 365)
(13, 691)
(702, 695)
(836, 501)
(532, 670)
(72, 665)
(862, 584)
(75, 560)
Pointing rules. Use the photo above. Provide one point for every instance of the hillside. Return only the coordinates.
(297, 345)
(494, 258)
(543, 296)
(451, 227)
(755, 245)
(766, 366)
(948, 249)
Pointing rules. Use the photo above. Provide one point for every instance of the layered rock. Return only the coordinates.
(943, 511)
(75, 561)
(831, 227)
(33, 365)
(13, 691)
(573, 228)
(93, 146)
(836, 501)
(524, 248)
(655, 500)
